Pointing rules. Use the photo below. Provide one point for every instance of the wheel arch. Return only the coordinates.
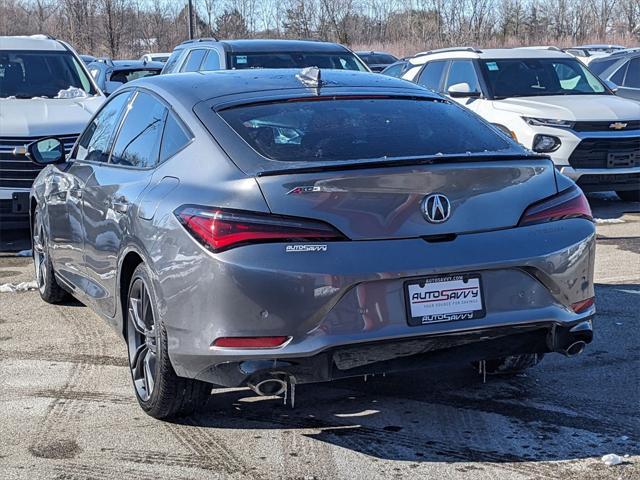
(129, 263)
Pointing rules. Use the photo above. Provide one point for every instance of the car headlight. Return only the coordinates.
(545, 143)
(548, 122)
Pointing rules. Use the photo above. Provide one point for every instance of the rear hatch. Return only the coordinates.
(383, 203)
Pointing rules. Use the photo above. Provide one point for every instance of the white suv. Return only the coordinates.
(45, 90)
(549, 102)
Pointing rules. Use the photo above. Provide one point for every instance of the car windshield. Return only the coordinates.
(336, 61)
(533, 77)
(124, 76)
(338, 129)
(50, 74)
(378, 58)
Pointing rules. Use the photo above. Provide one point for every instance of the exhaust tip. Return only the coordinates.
(269, 387)
(576, 348)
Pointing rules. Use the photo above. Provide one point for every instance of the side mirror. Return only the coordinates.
(46, 151)
(462, 90)
(111, 87)
(612, 86)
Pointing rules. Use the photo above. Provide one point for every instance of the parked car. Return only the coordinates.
(87, 59)
(270, 228)
(208, 54)
(396, 69)
(377, 61)
(622, 70)
(113, 74)
(584, 55)
(45, 90)
(600, 47)
(549, 102)
(155, 57)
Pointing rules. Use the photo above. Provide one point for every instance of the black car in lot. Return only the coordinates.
(621, 70)
(110, 74)
(377, 61)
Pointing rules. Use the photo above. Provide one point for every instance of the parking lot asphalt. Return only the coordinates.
(67, 408)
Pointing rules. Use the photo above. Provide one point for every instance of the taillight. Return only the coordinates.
(220, 229)
(583, 305)
(568, 204)
(250, 342)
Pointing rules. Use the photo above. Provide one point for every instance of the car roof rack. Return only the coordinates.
(447, 50)
(197, 40)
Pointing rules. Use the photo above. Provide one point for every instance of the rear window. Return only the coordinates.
(334, 61)
(335, 129)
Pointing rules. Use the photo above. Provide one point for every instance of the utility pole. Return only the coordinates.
(190, 20)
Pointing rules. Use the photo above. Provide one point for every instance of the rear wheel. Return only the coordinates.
(48, 287)
(629, 195)
(160, 392)
(510, 365)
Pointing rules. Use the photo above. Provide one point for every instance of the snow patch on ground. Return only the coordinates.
(608, 220)
(24, 253)
(612, 459)
(18, 287)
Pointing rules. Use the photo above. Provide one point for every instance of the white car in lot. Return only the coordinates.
(549, 102)
(45, 90)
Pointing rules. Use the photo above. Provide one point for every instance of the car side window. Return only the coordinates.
(462, 71)
(632, 80)
(172, 61)
(212, 62)
(618, 77)
(194, 59)
(431, 74)
(138, 142)
(174, 138)
(96, 139)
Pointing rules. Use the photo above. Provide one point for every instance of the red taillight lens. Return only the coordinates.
(250, 342)
(219, 229)
(568, 204)
(583, 305)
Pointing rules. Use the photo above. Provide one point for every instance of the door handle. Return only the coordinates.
(120, 204)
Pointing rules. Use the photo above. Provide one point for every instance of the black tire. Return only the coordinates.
(50, 290)
(510, 365)
(629, 195)
(160, 392)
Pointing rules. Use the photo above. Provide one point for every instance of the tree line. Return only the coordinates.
(128, 28)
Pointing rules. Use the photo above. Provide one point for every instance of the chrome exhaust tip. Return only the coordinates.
(576, 348)
(269, 387)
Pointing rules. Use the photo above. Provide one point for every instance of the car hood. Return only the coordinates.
(572, 107)
(43, 117)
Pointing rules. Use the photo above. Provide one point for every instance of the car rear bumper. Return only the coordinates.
(353, 295)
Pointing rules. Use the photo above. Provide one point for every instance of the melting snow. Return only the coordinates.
(18, 287)
(612, 459)
(24, 253)
(608, 220)
(72, 92)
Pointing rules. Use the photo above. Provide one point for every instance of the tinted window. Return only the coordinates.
(96, 139)
(431, 75)
(599, 67)
(378, 58)
(530, 77)
(27, 74)
(338, 60)
(462, 71)
(395, 70)
(124, 76)
(194, 59)
(171, 63)
(632, 79)
(618, 77)
(212, 62)
(174, 138)
(334, 129)
(138, 141)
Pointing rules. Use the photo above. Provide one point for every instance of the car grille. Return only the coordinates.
(17, 171)
(606, 153)
(606, 126)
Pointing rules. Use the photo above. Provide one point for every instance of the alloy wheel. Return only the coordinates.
(39, 253)
(142, 339)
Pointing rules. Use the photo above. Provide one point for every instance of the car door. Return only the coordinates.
(65, 192)
(110, 195)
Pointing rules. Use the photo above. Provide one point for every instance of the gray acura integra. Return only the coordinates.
(272, 228)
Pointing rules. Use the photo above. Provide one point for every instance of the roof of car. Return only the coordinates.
(126, 64)
(490, 53)
(267, 45)
(32, 42)
(198, 86)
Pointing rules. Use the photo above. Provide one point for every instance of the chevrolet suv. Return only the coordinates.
(549, 102)
(45, 90)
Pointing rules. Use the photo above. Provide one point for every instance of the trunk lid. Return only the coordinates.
(387, 202)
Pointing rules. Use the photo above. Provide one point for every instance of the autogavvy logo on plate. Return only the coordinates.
(305, 248)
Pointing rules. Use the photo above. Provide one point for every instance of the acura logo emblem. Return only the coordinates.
(436, 208)
(618, 125)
